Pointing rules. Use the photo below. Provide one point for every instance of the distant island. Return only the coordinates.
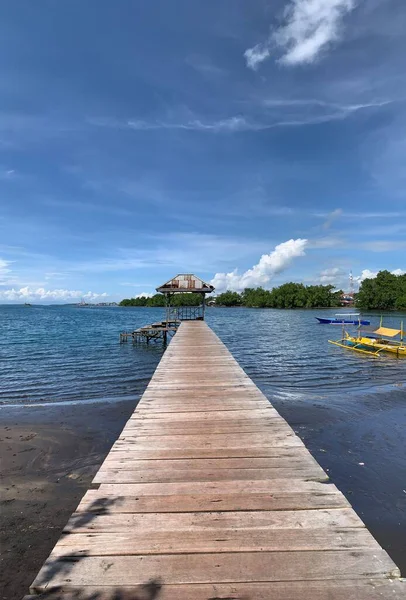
(385, 292)
(93, 304)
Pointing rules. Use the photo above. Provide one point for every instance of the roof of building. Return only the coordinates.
(185, 282)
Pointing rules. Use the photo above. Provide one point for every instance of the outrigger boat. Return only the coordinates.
(378, 341)
(343, 319)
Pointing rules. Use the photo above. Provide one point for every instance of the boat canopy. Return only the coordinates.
(387, 331)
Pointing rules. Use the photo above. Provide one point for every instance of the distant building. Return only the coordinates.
(347, 299)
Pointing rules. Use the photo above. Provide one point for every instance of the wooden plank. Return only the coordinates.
(372, 589)
(208, 415)
(95, 501)
(269, 486)
(204, 423)
(128, 462)
(225, 540)
(246, 520)
(217, 568)
(211, 441)
(216, 453)
(190, 407)
(127, 475)
(209, 429)
(189, 427)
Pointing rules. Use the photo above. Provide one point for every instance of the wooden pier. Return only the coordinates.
(161, 331)
(208, 494)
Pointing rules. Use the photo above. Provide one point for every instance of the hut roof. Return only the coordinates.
(185, 282)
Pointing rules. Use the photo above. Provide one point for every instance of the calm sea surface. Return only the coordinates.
(63, 353)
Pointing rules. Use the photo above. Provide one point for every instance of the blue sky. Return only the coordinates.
(142, 139)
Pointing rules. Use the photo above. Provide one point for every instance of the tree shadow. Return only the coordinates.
(146, 591)
(100, 506)
(62, 565)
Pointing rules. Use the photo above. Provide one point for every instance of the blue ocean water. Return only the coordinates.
(65, 353)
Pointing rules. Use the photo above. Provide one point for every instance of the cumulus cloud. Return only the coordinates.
(309, 27)
(261, 274)
(367, 274)
(25, 294)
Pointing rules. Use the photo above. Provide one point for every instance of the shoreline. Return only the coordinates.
(52, 453)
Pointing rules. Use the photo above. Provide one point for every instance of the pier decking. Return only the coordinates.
(208, 494)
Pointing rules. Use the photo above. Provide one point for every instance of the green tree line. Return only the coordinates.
(385, 292)
(288, 295)
(159, 300)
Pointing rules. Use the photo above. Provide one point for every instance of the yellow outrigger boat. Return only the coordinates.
(378, 341)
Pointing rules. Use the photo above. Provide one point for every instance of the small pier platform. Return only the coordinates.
(161, 331)
(208, 494)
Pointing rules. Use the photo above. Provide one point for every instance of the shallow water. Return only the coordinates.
(62, 353)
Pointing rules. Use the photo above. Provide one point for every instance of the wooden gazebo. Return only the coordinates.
(180, 284)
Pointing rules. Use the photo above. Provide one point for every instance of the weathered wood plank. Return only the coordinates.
(225, 540)
(96, 501)
(216, 415)
(166, 475)
(222, 427)
(246, 520)
(209, 429)
(217, 568)
(255, 440)
(220, 453)
(371, 589)
(290, 462)
(269, 486)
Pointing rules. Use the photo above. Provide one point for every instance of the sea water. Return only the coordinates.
(67, 353)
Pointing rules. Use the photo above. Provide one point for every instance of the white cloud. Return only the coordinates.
(278, 113)
(309, 27)
(367, 274)
(261, 273)
(256, 55)
(144, 295)
(40, 294)
(230, 124)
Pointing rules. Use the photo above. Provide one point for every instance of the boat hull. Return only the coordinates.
(371, 346)
(327, 321)
(377, 345)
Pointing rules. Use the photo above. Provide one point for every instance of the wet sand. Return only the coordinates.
(50, 455)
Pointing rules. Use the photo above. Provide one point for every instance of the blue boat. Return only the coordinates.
(344, 319)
